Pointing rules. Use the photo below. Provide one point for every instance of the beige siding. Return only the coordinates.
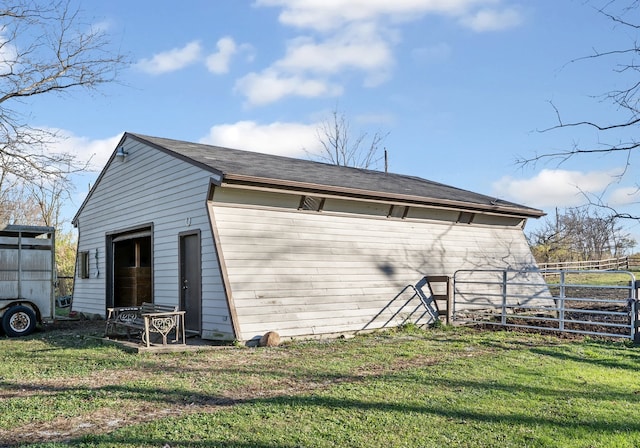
(304, 273)
(271, 199)
(433, 214)
(152, 187)
(363, 208)
(497, 220)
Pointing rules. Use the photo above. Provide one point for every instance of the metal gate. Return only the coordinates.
(602, 303)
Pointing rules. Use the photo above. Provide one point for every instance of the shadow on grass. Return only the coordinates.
(411, 378)
(621, 354)
(310, 383)
(82, 333)
(627, 359)
(316, 405)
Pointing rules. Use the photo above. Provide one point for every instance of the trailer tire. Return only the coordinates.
(18, 321)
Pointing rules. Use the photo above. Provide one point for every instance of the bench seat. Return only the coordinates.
(145, 320)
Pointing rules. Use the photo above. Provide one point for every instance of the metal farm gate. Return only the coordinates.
(602, 303)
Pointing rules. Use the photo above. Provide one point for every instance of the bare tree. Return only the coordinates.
(580, 234)
(45, 49)
(49, 196)
(35, 203)
(617, 137)
(342, 147)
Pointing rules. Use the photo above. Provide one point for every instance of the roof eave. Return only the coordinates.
(177, 155)
(522, 212)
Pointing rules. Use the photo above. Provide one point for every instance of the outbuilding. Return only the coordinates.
(247, 242)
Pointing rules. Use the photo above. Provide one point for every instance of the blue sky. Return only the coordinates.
(461, 86)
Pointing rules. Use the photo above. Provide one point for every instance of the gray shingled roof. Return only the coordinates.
(272, 169)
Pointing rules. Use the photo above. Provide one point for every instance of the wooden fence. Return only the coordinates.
(629, 263)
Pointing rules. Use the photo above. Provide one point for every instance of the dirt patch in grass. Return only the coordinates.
(252, 374)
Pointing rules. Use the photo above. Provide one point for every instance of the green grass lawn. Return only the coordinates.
(411, 388)
(597, 278)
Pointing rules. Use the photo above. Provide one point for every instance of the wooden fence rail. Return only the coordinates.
(610, 264)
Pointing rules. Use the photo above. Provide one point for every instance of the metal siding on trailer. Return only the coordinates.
(26, 267)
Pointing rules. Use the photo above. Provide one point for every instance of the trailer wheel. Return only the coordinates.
(18, 321)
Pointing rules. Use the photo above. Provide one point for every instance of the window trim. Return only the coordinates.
(84, 267)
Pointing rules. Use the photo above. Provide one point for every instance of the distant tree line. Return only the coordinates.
(580, 234)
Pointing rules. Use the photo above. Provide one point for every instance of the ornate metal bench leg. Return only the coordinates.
(145, 334)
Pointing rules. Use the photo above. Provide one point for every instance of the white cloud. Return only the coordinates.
(555, 188)
(358, 46)
(172, 60)
(8, 56)
(492, 20)
(357, 36)
(270, 85)
(325, 15)
(285, 139)
(94, 152)
(625, 196)
(218, 63)
(333, 14)
(308, 66)
(102, 26)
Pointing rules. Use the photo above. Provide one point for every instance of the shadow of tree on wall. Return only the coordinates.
(413, 303)
(334, 275)
(405, 308)
(483, 258)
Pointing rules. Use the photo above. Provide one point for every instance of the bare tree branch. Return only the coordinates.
(340, 147)
(45, 49)
(616, 137)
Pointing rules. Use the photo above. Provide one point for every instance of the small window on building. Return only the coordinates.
(465, 217)
(83, 264)
(398, 211)
(312, 203)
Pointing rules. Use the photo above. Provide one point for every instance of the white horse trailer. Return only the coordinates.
(27, 277)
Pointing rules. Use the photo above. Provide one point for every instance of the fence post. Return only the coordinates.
(561, 301)
(634, 321)
(449, 300)
(504, 298)
(634, 311)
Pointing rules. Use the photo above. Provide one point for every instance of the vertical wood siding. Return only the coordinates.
(305, 273)
(152, 187)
